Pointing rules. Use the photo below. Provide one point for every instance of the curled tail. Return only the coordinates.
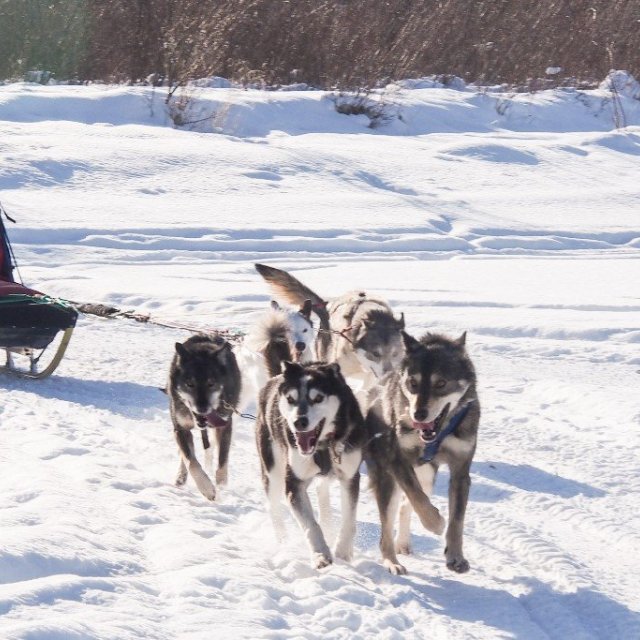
(291, 290)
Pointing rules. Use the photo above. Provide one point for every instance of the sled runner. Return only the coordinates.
(30, 321)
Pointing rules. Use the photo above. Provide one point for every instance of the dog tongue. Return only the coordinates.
(429, 426)
(306, 441)
(216, 421)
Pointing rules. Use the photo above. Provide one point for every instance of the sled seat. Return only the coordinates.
(29, 322)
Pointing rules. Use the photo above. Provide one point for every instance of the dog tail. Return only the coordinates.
(290, 289)
(271, 328)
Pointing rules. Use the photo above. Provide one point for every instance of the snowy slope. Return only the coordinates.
(515, 217)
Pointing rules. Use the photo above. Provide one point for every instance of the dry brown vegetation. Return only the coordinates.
(325, 43)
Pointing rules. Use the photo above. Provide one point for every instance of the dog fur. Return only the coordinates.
(204, 387)
(436, 383)
(309, 424)
(357, 331)
(280, 334)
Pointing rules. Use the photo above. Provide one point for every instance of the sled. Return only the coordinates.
(30, 322)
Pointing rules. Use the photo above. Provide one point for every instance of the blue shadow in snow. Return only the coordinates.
(127, 399)
(529, 478)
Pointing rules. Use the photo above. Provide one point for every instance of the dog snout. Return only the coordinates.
(420, 415)
(301, 423)
(300, 347)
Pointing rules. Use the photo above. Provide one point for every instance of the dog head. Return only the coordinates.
(378, 342)
(435, 375)
(198, 374)
(299, 332)
(309, 399)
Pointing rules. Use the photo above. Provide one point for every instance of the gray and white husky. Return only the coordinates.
(309, 424)
(280, 334)
(425, 414)
(204, 387)
(357, 331)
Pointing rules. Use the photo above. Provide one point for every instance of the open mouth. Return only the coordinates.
(429, 430)
(213, 419)
(306, 441)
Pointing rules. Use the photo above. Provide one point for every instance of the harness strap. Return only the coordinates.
(432, 448)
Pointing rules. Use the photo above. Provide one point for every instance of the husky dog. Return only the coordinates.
(204, 387)
(357, 331)
(309, 424)
(281, 334)
(426, 414)
(284, 334)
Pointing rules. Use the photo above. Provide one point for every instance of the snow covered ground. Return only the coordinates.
(515, 217)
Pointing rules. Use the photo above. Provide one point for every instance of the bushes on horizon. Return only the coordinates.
(324, 43)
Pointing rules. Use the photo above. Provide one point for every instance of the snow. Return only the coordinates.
(515, 217)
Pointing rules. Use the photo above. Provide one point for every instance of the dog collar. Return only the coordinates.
(431, 449)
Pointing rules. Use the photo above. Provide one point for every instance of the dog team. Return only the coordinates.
(358, 388)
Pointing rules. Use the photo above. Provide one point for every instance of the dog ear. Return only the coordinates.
(410, 343)
(305, 309)
(332, 367)
(462, 340)
(291, 369)
(181, 351)
(275, 306)
(400, 321)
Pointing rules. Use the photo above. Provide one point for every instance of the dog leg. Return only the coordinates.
(403, 539)
(181, 477)
(303, 513)
(387, 496)
(208, 459)
(459, 485)
(202, 480)
(429, 516)
(223, 439)
(426, 474)
(324, 508)
(349, 491)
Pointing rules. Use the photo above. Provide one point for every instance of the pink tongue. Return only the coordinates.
(216, 421)
(306, 440)
(425, 425)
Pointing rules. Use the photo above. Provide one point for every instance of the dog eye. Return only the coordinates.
(412, 384)
(440, 384)
(376, 354)
(319, 398)
(189, 383)
(291, 400)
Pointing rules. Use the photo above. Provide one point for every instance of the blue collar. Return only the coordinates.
(431, 449)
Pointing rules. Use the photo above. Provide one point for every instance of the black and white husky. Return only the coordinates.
(203, 389)
(280, 334)
(309, 424)
(425, 414)
(358, 331)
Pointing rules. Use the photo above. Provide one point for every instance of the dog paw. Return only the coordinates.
(344, 552)
(439, 525)
(404, 548)
(322, 560)
(222, 476)
(395, 568)
(181, 478)
(209, 493)
(458, 564)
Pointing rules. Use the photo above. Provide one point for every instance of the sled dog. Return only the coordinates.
(280, 334)
(203, 388)
(425, 414)
(309, 424)
(357, 331)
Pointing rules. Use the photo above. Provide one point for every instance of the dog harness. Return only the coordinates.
(432, 448)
